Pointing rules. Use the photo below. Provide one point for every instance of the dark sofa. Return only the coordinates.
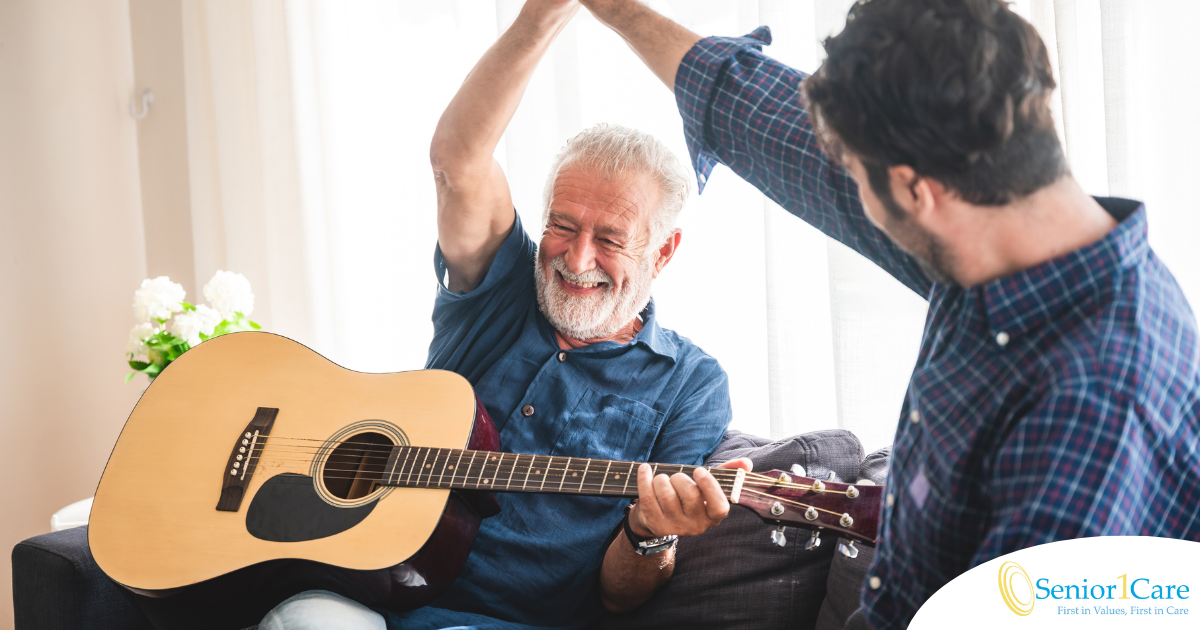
(732, 576)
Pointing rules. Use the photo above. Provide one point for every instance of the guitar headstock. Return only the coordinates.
(783, 498)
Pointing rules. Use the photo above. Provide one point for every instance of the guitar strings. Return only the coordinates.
(719, 473)
(388, 447)
(590, 489)
(444, 458)
(372, 448)
(594, 488)
(500, 469)
(443, 455)
(597, 490)
(432, 466)
(555, 484)
(376, 452)
(499, 473)
(376, 449)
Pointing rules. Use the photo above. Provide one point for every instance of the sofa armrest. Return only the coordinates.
(841, 611)
(57, 586)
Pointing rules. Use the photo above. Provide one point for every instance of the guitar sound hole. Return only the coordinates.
(354, 468)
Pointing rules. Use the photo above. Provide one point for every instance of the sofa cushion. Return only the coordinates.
(846, 575)
(733, 576)
(57, 586)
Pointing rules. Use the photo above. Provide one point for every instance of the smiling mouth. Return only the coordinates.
(579, 286)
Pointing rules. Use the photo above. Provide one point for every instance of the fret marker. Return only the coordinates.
(616, 476)
(493, 458)
(485, 480)
(537, 472)
(574, 474)
(428, 465)
(451, 466)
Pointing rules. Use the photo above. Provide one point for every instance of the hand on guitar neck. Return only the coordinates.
(680, 505)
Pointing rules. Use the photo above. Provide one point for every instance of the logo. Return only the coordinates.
(1011, 573)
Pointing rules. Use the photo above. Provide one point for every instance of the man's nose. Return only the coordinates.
(581, 255)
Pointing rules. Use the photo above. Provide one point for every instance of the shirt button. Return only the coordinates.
(914, 416)
(890, 499)
(562, 357)
(527, 410)
(1002, 338)
(875, 583)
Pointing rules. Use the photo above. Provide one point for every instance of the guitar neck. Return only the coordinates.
(421, 467)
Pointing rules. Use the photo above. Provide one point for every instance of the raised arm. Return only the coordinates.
(744, 109)
(658, 41)
(475, 209)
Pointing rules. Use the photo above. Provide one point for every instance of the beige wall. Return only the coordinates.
(71, 254)
(157, 30)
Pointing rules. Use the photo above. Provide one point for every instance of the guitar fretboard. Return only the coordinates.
(421, 467)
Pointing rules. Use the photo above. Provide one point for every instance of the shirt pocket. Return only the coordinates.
(608, 426)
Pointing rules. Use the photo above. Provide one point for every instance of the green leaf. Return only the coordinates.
(187, 307)
(255, 326)
(138, 365)
(130, 376)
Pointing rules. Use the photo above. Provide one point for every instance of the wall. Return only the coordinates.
(71, 254)
(157, 30)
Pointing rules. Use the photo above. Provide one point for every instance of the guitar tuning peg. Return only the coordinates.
(848, 549)
(778, 538)
(798, 470)
(814, 541)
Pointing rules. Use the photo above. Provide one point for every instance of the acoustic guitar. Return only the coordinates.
(252, 450)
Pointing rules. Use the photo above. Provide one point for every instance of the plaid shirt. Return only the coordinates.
(1058, 402)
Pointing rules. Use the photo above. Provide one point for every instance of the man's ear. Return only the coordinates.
(916, 194)
(667, 251)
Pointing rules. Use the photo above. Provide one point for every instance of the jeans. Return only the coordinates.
(315, 610)
(323, 610)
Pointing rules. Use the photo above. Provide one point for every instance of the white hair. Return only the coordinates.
(614, 150)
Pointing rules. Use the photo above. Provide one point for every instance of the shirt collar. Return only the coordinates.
(1048, 291)
(651, 336)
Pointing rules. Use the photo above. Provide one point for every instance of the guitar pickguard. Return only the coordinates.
(287, 508)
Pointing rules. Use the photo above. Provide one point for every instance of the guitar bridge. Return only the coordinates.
(243, 459)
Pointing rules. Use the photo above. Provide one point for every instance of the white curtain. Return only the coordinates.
(311, 134)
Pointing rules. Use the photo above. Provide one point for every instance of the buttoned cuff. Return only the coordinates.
(695, 81)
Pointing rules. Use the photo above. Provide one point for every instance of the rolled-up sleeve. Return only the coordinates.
(743, 109)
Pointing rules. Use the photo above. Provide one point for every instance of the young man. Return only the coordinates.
(562, 345)
(1056, 394)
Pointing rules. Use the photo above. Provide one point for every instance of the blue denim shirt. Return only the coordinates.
(658, 398)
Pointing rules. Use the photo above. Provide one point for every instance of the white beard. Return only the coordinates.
(592, 317)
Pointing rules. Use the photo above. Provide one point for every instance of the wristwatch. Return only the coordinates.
(645, 546)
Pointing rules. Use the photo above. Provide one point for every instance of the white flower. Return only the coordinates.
(189, 325)
(137, 341)
(158, 299)
(229, 293)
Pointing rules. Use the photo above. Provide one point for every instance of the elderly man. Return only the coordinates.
(561, 342)
(1057, 392)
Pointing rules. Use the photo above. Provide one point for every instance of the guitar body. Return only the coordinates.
(253, 469)
(201, 517)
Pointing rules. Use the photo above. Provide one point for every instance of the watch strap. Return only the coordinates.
(642, 545)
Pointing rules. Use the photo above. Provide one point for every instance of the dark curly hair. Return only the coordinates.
(958, 90)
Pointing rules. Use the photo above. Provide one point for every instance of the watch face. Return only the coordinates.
(655, 545)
